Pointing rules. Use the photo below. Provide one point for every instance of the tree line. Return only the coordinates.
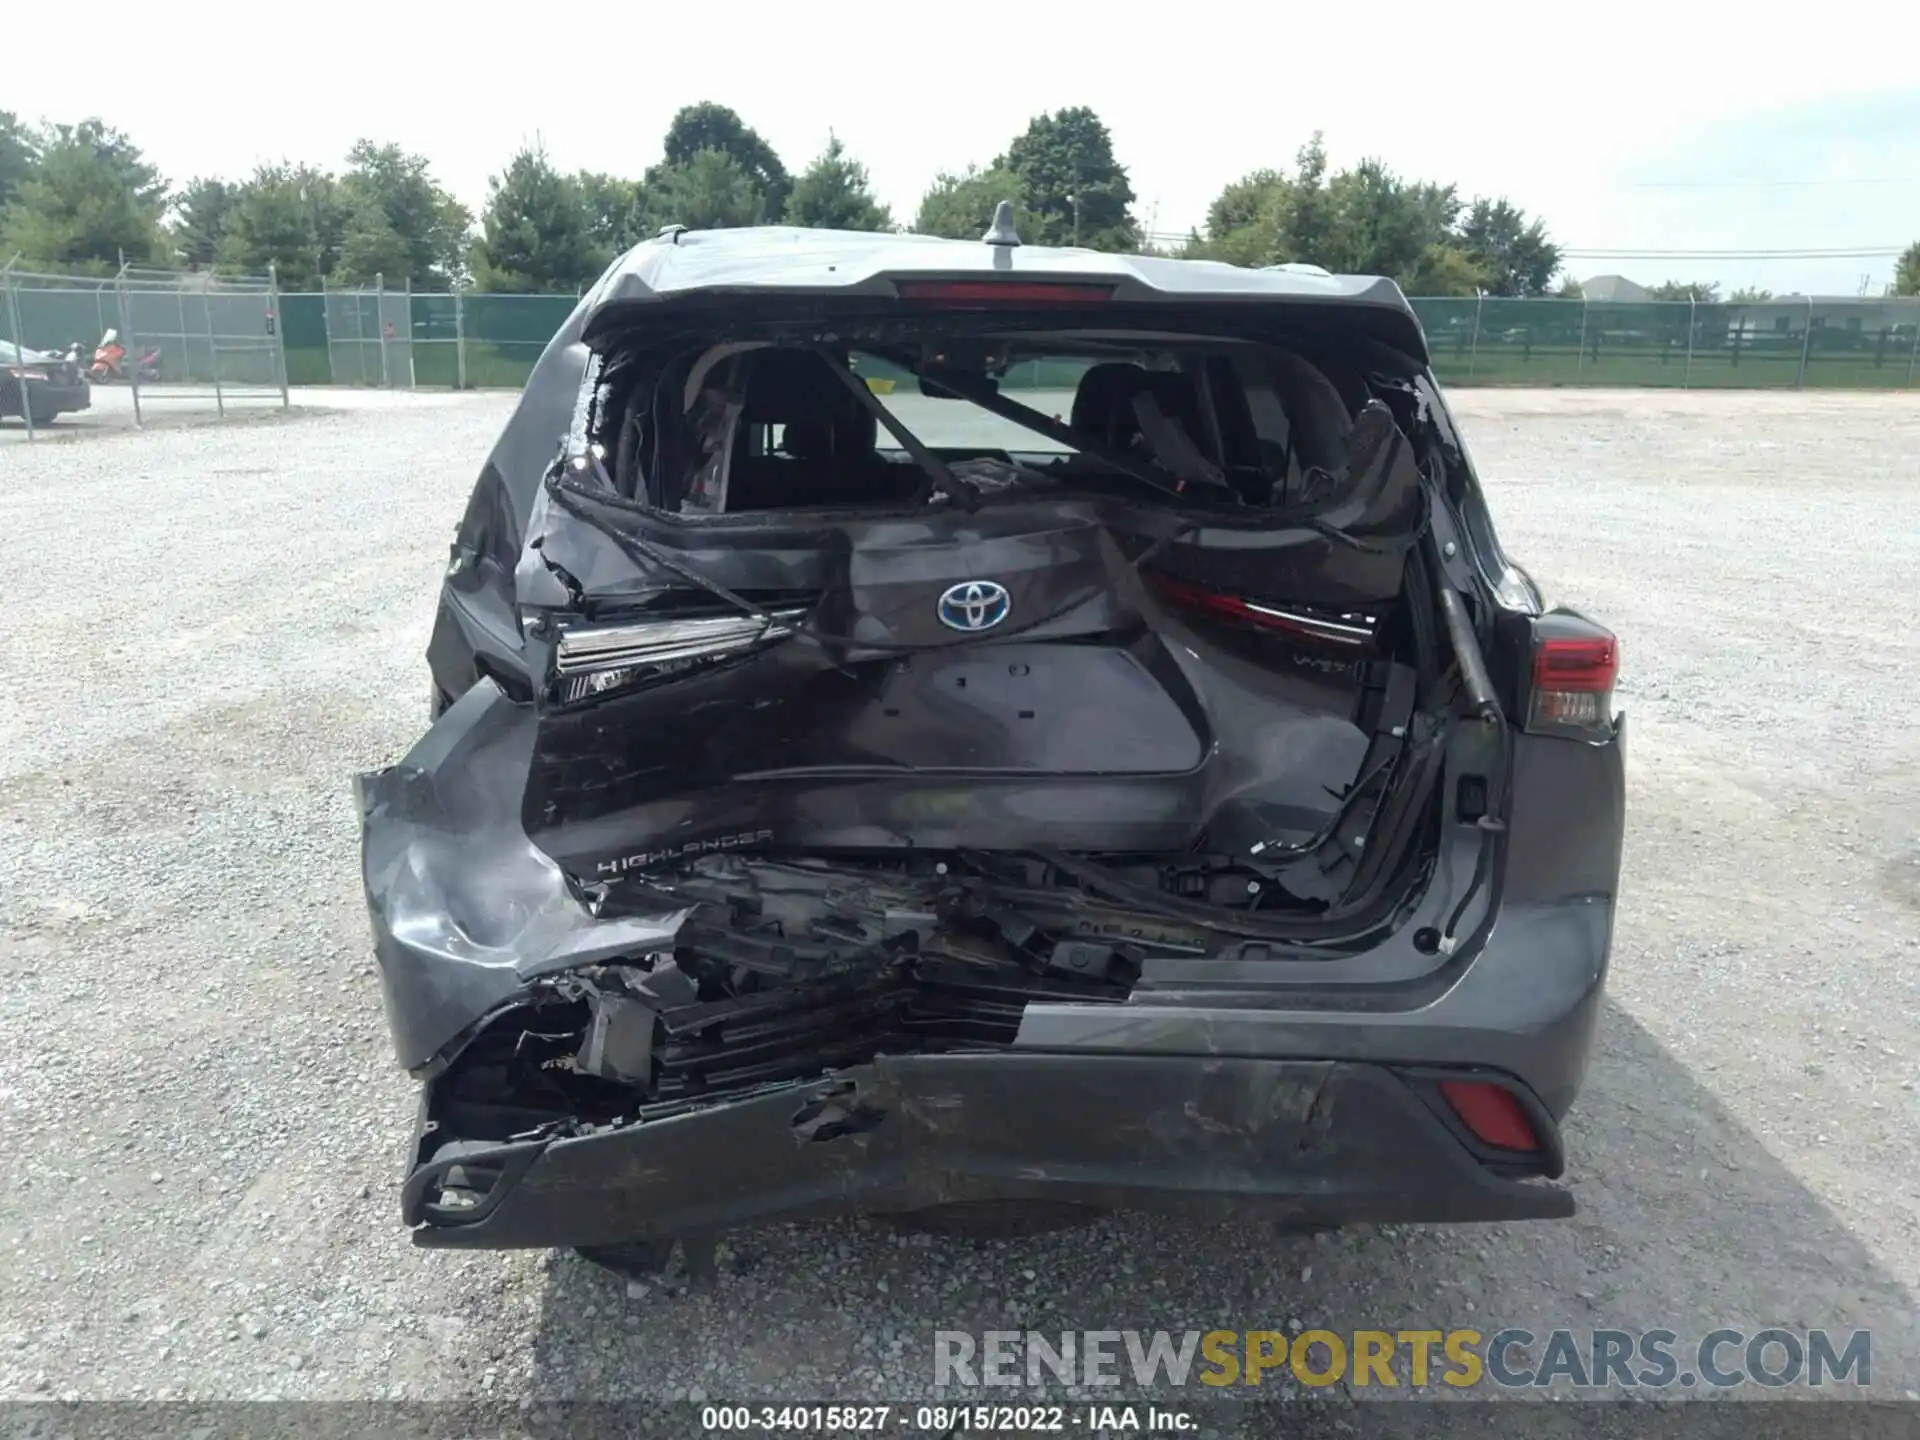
(83, 196)
(1369, 220)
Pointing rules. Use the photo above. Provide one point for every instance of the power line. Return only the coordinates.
(1862, 253)
(1753, 184)
(1583, 252)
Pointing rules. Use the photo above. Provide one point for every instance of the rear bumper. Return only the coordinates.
(1290, 1088)
(1316, 1142)
(48, 397)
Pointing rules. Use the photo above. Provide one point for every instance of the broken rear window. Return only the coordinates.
(751, 427)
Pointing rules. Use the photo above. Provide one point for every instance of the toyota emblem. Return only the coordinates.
(974, 605)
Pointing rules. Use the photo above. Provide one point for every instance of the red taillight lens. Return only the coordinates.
(1192, 597)
(1344, 631)
(1491, 1113)
(1573, 677)
(1577, 664)
(1003, 292)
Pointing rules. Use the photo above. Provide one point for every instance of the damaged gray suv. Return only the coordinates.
(963, 731)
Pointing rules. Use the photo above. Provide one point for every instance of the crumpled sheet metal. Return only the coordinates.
(466, 911)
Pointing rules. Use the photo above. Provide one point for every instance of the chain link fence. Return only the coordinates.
(1796, 342)
(392, 336)
(163, 335)
(205, 335)
(401, 339)
(467, 340)
(370, 334)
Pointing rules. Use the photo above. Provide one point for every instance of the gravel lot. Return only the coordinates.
(211, 629)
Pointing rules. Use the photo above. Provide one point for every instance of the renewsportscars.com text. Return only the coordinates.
(1510, 1358)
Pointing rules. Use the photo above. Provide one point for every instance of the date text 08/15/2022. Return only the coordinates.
(945, 1419)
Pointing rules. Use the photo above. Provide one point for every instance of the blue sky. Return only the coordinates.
(1581, 116)
(1835, 173)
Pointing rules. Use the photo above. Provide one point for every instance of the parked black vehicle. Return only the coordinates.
(861, 779)
(42, 385)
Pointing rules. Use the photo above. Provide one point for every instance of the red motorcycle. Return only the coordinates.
(108, 358)
(110, 361)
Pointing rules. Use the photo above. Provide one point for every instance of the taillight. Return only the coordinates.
(592, 660)
(1003, 292)
(1575, 663)
(1341, 630)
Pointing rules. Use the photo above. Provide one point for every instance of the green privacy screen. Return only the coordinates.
(492, 341)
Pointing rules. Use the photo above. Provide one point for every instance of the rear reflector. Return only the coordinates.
(1003, 292)
(1573, 679)
(1491, 1113)
(1345, 631)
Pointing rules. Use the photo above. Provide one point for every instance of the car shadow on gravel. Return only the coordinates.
(1687, 1223)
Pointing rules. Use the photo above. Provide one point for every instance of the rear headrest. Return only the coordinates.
(1103, 405)
(794, 385)
(798, 389)
(1178, 399)
(1103, 401)
(851, 437)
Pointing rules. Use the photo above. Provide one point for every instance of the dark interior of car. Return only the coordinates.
(825, 452)
(775, 427)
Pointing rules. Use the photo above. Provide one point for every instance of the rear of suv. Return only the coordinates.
(924, 728)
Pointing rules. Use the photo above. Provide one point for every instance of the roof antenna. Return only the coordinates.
(1001, 232)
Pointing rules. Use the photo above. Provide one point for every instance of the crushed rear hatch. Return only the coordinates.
(908, 666)
(914, 731)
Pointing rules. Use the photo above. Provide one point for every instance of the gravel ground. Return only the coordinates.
(212, 629)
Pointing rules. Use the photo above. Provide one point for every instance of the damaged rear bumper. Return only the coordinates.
(1269, 1086)
(1300, 1141)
